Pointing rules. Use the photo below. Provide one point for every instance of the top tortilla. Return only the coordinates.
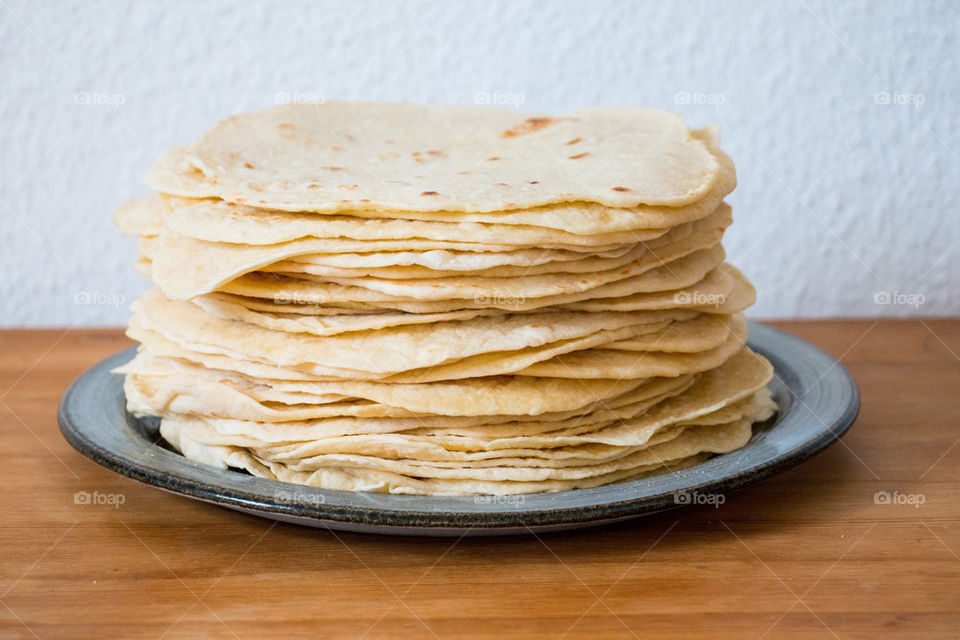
(340, 156)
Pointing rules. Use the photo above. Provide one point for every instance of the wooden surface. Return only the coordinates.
(808, 553)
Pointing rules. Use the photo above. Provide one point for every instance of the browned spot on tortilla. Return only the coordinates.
(621, 189)
(533, 182)
(334, 168)
(493, 159)
(435, 153)
(574, 141)
(336, 148)
(530, 125)
(285, 129)
(502, 184)
(348, 187)
(364, 200)
(429, 193)
(580, 155)
(248, 165)
(462, 173)
(349, 137)
(313, 185)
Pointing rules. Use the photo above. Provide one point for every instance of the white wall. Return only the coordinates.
(840, 196)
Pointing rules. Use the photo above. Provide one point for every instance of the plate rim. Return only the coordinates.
(404, 520)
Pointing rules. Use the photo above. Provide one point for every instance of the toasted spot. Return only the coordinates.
(435, 153)
(574, 141)
(533, 182)
(334, 168)
(462, 173)
(493, 159)
(313, 185)
(621, 189)
(580, 155)
(530, 125)
(502, 184)
(285, 129)
(348, 187)
(429, 193)
(248, 165)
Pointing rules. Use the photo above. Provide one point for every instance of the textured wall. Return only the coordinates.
(842, 118)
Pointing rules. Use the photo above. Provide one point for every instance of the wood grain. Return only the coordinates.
(808, 553)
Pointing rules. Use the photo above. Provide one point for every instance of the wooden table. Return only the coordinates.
(809, 553)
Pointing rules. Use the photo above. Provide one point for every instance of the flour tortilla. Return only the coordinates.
(219, 221)
(277, 410)
(253, 422)
(142, 216)
(493, 395)
(708, 403)
(484, 364)
(185, 267)
(361, 473)
(389, 350)
(587, 218)
(704, 235)
(581, 218)
(230, 308)
(340, 156)
(582, 264)
(368, 480)
(610, 363)
(705, 331)
(722, 290)
(732, 392)
(679, 273)
(433, 260)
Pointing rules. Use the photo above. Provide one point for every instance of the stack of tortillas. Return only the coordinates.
(443, 300)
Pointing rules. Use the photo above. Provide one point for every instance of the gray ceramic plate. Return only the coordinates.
(818, 401)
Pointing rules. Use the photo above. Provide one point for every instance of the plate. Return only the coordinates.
(817, 397)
